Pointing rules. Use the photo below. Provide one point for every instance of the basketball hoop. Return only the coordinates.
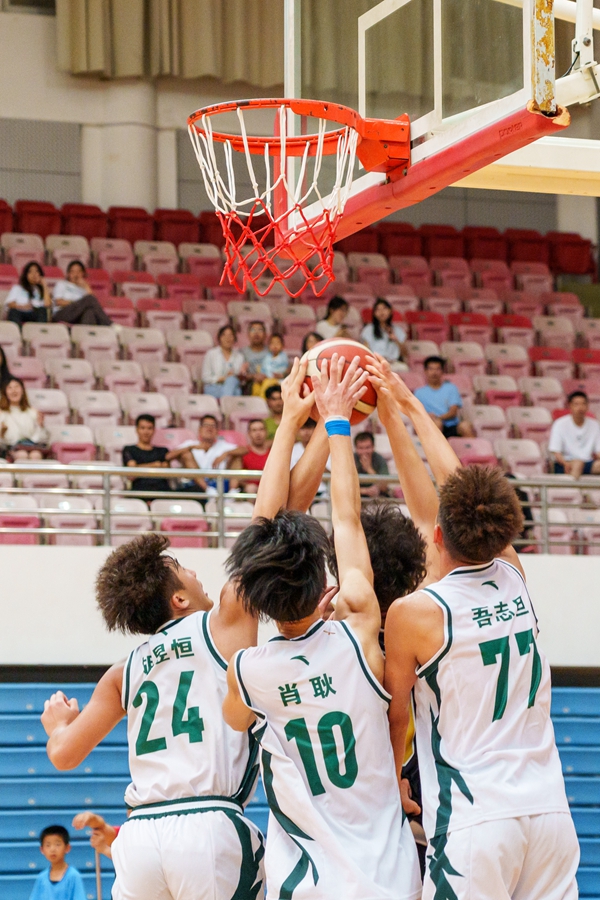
(284, 207)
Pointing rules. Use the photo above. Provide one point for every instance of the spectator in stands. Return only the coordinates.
(76, 303)
(144, 453)
(368, 462)
(256, 452)
(223, 366)
(384, 336)
(275, 404)
(575, 440)
(254, 355)
(210, 451)
(442, 400)
(276, 364)
(61, 881)
(5, 375)
(29, 300)
(310, 340)
(22, 432)
(103, 834)
(331, 326)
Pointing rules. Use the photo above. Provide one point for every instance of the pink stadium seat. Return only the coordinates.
(489, 422)
(119, 376)
(412, 380)
(94, 408)
(418, 351)
(113, 254)
(484, 243)
(85, 219)
(451, 271)
(589, 386)
(121, 311)
(189, 409)
(9, 275)
(175, 225)
(65, 249)
(169, 516)
(203, 260)
(17, 511)
(111, 441)
(100, 283)
(52, 403)
(543, 391)
(173, 437)
(44, 478)
(427, 326)
(484, 301)
(532, 276)
(492, 273)
(95, 342)
(553, 362)
(19, 255)
(530, 422)
(46, 341)
(555, 331)
(413, 271)
(129, 516)
(132, 223)
(70, 374)
(160, 264)
(30, 370)
(189, 347)
(244, 408)
(514, 329)
(75, 513)
(474, 451)
(37, 217)
(471, 327)
(497, 390)
(73, 452)
(169, 309)
(521, 457)
(208, 315)
(157, 405)
(169, 378)
(442, 305)
(588, 331)
(180, 285)
(587, 362)
(144, 344)
(464, 357)
(10, 339)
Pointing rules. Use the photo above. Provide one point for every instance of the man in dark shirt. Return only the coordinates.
(144, 453)
(370, 463)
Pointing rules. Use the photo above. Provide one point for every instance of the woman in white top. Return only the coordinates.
(222, 366)
(331, 326)
(383, 335)
(22, 433)
(29, 300)
(74, 300)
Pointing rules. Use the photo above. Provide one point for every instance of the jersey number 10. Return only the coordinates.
(296, 730)
(500, 647)
(193, 725)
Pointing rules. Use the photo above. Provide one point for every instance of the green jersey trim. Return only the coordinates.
(169, 624)
(251, 772)
(379, 690)
(468, 570)
(302, 637)
(250, 883)
(210, 644)
(434, 662)
(183, 806)
(127, 681)
(238, 672)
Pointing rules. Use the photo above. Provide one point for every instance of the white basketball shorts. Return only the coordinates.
(199, 856)
(528, 858)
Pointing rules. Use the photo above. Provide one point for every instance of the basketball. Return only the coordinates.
(348, 349)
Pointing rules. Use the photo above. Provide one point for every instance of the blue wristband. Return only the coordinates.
(337, 425)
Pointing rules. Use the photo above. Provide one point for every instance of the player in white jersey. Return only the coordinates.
(186, 837)
(314, 696)
(496, 813)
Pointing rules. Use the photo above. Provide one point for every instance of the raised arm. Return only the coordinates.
(307, 474)
(356, 602)
(274, 484)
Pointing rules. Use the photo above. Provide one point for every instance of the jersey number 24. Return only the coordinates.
(192, 724)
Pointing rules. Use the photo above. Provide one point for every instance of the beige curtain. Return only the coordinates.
(230, 40)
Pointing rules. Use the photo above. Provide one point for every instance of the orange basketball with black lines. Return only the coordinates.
(348, 349)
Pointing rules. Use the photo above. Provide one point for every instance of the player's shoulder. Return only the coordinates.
(416, 609)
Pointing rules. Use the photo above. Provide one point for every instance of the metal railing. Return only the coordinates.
(576, 529)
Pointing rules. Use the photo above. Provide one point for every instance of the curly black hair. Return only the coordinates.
(397, 550)
(278, 566)
(135, 585)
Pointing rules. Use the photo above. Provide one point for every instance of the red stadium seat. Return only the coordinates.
(9, 275)
(587, 362)
(471, 327)
(492, 273)
(427, 326)
(37, 217)
(552, 362)
(130, 223)
(512, 329)
(399, 239)
(484, 243)
(364, 241)
(527, 245)
(570, 254)
(181, 285)
(6, 217)
(442, 240)
(84, 219)
(176, 225)
(211, 231)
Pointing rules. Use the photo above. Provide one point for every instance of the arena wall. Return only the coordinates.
(49, 615)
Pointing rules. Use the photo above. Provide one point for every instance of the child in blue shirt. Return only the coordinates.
(276, 364)
(61, 881)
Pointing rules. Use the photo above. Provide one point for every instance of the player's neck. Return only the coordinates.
(448, 564)
(292, 630)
